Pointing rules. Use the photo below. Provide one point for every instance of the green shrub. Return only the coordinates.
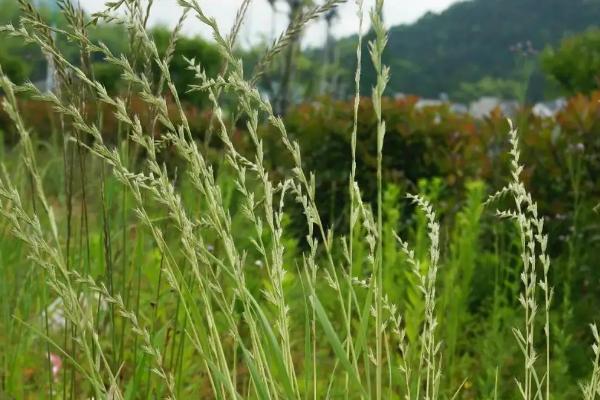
(153, 268)
(574, 64)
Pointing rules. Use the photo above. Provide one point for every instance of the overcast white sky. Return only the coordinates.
(259, 18)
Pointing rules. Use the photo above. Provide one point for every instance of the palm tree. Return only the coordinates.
(329, 57)
(288, 66)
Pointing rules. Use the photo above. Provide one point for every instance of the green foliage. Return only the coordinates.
(13, 53)
(488, 86)
(458, 279)
(14, 67)
(432, 141)
(472, 40)
(154, 267)
(108, 75)
(190, 48)
(575, 63)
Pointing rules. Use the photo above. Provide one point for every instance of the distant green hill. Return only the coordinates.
(466, 50)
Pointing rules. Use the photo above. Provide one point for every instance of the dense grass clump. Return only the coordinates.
(147, 264)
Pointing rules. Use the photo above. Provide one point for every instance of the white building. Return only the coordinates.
(549, 109)
(50, 82)
(482, 107)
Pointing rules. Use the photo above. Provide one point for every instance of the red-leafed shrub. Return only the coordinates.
(433, 141)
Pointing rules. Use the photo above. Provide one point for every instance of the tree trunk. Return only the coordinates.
(288, 67)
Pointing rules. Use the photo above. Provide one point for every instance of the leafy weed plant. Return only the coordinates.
(185, 282)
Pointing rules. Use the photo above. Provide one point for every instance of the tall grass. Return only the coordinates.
(178, 276)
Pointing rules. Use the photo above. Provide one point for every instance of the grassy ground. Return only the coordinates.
(147, 267)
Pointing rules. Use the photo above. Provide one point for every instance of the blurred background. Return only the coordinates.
(458, 70)
(441, 50)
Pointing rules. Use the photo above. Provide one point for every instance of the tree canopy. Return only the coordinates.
(575, 64)
(472, 43)
(21, 62)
